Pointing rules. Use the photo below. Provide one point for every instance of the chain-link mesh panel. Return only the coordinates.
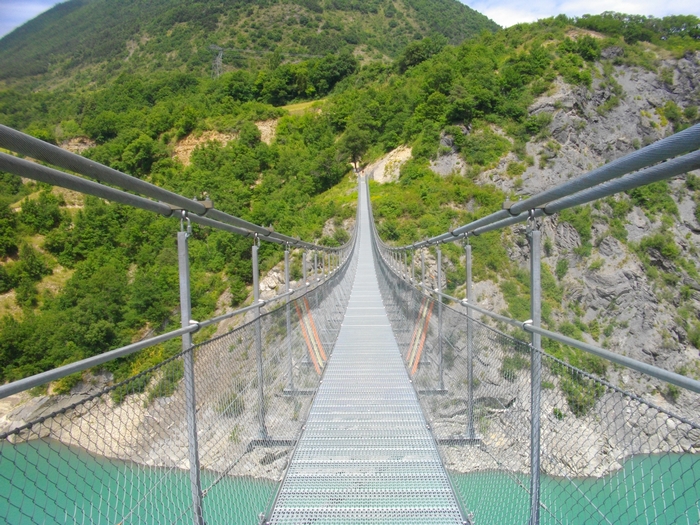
(611, 457)
(121, 455)
(607, 456)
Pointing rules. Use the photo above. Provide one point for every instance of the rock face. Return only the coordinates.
(387, 168)
(635, 296)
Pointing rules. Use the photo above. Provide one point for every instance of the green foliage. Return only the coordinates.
(171, 374)
(8, 234)
(136, 385)
(596, 265)
(550, 291)
(585, 46)
(174, 35)
(420, 51)
(483, 147)
(692, 182)
(43, 214)
(672, 393)
(123, 261)
(670, 31)
(562, 268)
(662, 243)
(518, 298)
(580, 218)
(515, 169)
(572, 68)
(581, 393)
(538, 123)
(65, 384)
(511, 365)
(355, 142)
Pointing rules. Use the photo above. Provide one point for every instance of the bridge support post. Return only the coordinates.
(290, 360)
(303, 270)
(441, 385)
(316, 265)
(262, 432)
(470, 344)
(535, 375)
(413, 266)
(190, 401)
(422, 267)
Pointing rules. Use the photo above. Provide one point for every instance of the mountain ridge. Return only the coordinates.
(176, 35)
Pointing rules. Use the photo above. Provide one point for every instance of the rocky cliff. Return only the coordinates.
(627, 266)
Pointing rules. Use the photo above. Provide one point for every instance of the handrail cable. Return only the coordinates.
(27, 145)
(589, 186)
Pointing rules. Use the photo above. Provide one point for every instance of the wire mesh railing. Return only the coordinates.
(607, 456)
(120, 455)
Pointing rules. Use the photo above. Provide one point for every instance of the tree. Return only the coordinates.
(355, 142)
(8, 233)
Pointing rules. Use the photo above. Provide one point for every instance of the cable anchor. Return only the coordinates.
(185, 217)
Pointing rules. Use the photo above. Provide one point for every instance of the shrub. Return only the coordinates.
(664, 244)
(515, 169)
(580, 219)
(562, 268)
(172, 373)
(511, 365)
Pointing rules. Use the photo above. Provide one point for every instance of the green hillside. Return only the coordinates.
(109, 37)
(82, 276)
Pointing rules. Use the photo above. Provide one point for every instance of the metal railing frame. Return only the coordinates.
(169, 204)
(639, 168)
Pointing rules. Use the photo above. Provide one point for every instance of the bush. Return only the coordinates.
(42, 214)
(135, 385)
(482, 147)
(581, 393)
(511, 365)
(663, 243)
(580, 219)
(562, 268)
(515, 169)
(172, 373)
(654, 198)
(537, 123)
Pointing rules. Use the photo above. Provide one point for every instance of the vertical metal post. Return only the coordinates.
(290, 360)
(422, 266)
(439, 299)
(470, 344)
(303, 270)
(258, 342)
(413, 267)
(405, 264)
(535, 376)
(316, 265)
(190, 400)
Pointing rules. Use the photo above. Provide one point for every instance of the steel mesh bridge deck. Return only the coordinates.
(366, 454)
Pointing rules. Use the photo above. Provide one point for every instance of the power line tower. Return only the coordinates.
(218, 62)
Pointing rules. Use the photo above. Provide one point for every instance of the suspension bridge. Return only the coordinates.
(364, 395)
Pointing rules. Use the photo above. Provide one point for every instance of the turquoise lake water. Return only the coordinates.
(51, 483)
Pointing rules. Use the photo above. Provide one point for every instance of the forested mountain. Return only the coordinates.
(105, 37)
(508, 112)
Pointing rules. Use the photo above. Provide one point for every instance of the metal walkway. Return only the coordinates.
(366, 454)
